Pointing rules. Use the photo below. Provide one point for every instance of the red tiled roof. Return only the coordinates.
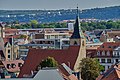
(111, 74)
(107, 45)
(6, 40)
(91, 52)
(73, 77)
(35, 56)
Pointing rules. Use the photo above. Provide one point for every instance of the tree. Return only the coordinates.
(49, 62)
(34, 23)
(90, 68)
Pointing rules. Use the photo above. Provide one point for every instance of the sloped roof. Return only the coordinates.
(111, 74)
(52, 74)
(15, 62)
(109, 45)
(9, 30)
(113, 34)
(35, 56)
(98, 32)
(77, 34)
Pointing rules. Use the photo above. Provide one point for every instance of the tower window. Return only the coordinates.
(75, 43)
(8, 51)
(8, 56)
(83, 44)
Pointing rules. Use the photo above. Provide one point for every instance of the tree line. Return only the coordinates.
(86, 26)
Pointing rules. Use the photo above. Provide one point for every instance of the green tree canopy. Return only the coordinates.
(48, 62)
(34, 23)
(90, 68)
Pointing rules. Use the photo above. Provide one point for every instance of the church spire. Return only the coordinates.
(76, 34)
(77, 12)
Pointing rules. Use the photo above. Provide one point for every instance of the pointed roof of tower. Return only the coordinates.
(77, 30)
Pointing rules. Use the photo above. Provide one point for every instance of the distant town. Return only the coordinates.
(43, 16)
(60, 44)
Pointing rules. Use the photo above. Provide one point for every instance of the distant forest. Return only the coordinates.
(107, 13)
(89, 26)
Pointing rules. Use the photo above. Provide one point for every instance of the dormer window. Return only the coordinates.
(8, 66)
(103, 53)
(98, 53)
(13, 65)
(102, 46)
(19, 64)
(108, 53)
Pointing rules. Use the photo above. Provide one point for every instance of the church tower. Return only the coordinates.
(78, 39)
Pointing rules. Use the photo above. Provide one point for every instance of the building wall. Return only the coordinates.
(82, 52)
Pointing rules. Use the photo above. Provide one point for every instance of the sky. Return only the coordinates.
(55, 4)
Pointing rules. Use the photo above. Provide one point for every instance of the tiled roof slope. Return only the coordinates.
(112, 74)
(109, 45)
(35, 56)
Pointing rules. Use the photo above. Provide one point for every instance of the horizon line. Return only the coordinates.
(63, 8)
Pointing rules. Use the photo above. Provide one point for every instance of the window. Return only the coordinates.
(8, 51)
(98, 53)
(117, 53)
(8, 56)
(8, 66)
(56, 36)
(19, 64)
(108, 53)
(116, 60)
(102, 60)
(108, 60)
(64, 36)
(103, 53)
(98, 60)
(83, 43)
(13, 65)
(75, 43)
(48, 36)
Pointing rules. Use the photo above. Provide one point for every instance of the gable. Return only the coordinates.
(7, 44)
